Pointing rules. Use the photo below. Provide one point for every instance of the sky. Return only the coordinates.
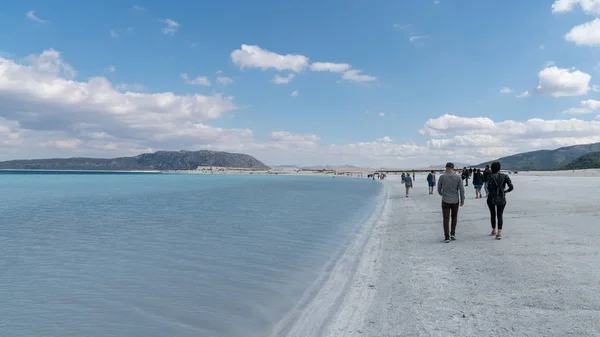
(384, 83)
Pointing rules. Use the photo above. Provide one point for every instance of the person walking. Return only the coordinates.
(496, 199)
(431, 181)
(465, 176)
(403, 177)
(477, 183)
(451, 188)
(486, 178)
(408, 183)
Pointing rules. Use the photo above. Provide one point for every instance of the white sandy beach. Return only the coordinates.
(542, 279)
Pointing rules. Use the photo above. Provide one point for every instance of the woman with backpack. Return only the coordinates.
(496, 200)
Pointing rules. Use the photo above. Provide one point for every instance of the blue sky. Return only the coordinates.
(432, 75)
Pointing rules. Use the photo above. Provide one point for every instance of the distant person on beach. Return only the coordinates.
(451, 188)
(413, 175)
(496, 200)
(478, 183)
(486, 178)
(403, 177)
(465, 176)
(431, 181)
(408, 183)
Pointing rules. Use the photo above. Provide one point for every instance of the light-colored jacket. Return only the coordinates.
(450, 187)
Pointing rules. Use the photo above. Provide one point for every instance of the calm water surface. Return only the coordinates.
(167, 255)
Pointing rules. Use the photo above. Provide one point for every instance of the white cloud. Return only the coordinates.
(414, 38)
(295, 93)
(139, 8)
(402, 26)
(524, 94)
(505, 90)
(588, 6)
(200, 80)
(171, 27)
(31, 16)
(577, 111)
(40, 98)
(542, 46)
(283, 80)
(111, 69)
(381, 114)
(591, 104)
(559, 82)
(113, 33)
(488, 139)
(328, 66)
(385, 139)
(549, 64)
(222, 80)
(255, 57)
(587, 34)
(355, 75)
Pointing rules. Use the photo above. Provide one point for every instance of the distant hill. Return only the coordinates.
(587, 161)
(545, 159)
(162, 161)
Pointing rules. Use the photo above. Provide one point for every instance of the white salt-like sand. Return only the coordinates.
(542, 279)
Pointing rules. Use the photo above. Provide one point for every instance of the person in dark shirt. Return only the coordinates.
(477, 183)
(486, 178)
(465, 175)
(496, 199)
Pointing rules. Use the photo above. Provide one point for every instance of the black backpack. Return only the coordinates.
(498, 197)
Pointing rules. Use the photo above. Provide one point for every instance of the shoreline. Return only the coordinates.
(327, 297)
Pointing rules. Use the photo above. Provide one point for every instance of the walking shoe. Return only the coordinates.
(499, 236)
(493, 232)
(452, 237)
(447, 241)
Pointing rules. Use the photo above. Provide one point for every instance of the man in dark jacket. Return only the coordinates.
(465, 175)
(486, 177)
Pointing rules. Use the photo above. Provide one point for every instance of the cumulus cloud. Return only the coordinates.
(559, 82)
(171, 26)
(524, 94)
(200, 80)
(587, 34)
(328, 66)
(295, 93)
(588, 6)
(479, 139)
(111, 69)
(355, 75)
(283, 80)
(40, 96)
(505, 90)
(256, 57)
(31, 16)
(222, 80)
(591, 104)
(385, 139)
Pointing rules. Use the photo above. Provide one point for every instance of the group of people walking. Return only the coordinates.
(450, 187)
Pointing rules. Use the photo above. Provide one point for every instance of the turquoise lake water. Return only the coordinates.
(167, 255)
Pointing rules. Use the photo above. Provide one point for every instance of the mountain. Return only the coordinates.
(587, 161)
(545, 159)
(161, 161)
